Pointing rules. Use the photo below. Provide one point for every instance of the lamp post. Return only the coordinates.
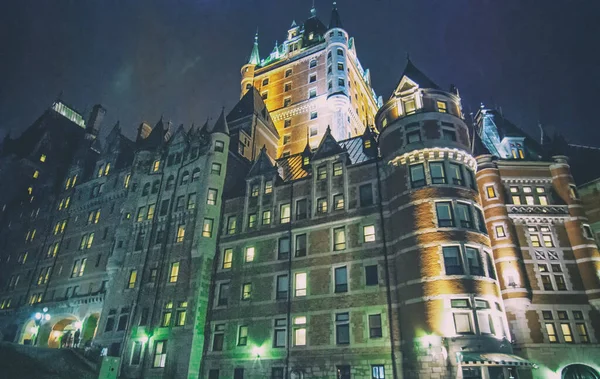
(40, 318)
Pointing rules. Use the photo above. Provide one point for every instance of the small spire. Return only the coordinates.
(255, 55)
(335, 20)
(313, 10)
(408, 56)
(293, 24)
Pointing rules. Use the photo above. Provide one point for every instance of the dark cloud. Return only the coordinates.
(537, 60)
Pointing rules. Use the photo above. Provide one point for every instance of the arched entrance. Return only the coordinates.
(62, 333)
(30, 330)
(88, 331)
(579, 371)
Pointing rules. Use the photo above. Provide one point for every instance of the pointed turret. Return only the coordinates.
(335, 21)
(369, 142)
(255, 55)
(221, 124)
(328, 146)
(306, 156)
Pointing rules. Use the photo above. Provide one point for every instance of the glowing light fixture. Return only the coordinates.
(144, 339)
(77, 325)
(257, 350)
(38, 316)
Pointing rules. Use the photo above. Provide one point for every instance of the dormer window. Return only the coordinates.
(306, 161)
(368, 144)
(311, 36)
(409, 106)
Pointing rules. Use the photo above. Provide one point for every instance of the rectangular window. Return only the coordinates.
(582, 331)
(371, 275)
(136, 353)
(231, 224)
(377, 372)
(211, 198)
(287, 123)
(442, 106)
(174, 272)
(313, 115)
(462, 323)
(284, 248)
(160, 354)
(444, 214)
(369, 233)
(266, 218)
(491, 192)
(300, 284)
(375, 330)
(222, 300)
(249, 256)
(287, 87)
(342, 328)
(339, 239)
(312, 93)
(132, 279)
(456, 175)
(547, 238)
(413, 136)
(215, 168)
(191, 203)
(409, 106)
(207, 227)
(180, 233)
(341, 279)
(282, 287)
(338, 169)
(438, 175)
(288, 73)
(280, 332)
(242, 335)
(452, 260)
(300, 248)
(338, 202)
(277, 373)
(219, 146)
(284, 213)
(246, 291)
(301, 209)
(547, 283)
(366, 195)
(312, 78)
(449, 135)
(463, 214)
(573, 192)
(490, 266)
(300, 331)
(560, 282)
(321, 172)
(227, 258)
(252, 220)
(181, 313)
(218, 337)
(322, 205)
(474, 261)
(286, 140)
(268, 187)
(565, 328)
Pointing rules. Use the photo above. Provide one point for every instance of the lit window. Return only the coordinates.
(215, 168)
(268, 186)
(442, 106)
(250, 254)
(211, 198)
(174, 272)
(132, 279)
(155, 166)
(180, 233)
(300, 331)
(369, 233)
(300, 284)
(266, 217)
(246, 291)
(322, 205)
(231, 224)
(207, 227)
(181, 313)
(491, 192)
(160, 354)
(565, 328)
(285, 213)
(243, 335)
(338, 202)
(500, 233)
(573, 192)
(409, 106)
(36, 174)
(322, 172)
(339, 239)
(338, 169)
(43, 158)
(551, 330)
(227, 258)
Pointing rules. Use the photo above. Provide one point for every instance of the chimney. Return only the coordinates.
(96, 117)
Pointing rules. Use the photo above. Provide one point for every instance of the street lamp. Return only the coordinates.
(39, 318)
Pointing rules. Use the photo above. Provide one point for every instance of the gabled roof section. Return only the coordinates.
(262, 165)
(335, 21)
(179, 136)
(221, 124)
(251, 104)
(328, 146)
(415, 77)
(158, 136)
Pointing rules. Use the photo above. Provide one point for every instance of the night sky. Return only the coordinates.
(537, 60)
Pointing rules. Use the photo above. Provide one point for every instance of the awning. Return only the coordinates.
(492, 359)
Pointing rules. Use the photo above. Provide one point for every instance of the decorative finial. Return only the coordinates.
(408, 56)
(313, 10)
(256, 36)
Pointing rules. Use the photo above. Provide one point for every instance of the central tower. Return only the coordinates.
(310, 81)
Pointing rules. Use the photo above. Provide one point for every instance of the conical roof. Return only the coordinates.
(335, 21)
(255, 54)
(221, 124)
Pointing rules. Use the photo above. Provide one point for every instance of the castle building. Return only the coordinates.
(396, 241)
(310, 81)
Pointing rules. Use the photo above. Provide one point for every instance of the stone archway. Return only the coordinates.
(88, 330)
(60, 332)
(28, 333)
(579, 371)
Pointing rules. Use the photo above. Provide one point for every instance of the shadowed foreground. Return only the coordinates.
(25, 362)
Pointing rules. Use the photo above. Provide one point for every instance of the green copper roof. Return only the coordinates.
(255, 55)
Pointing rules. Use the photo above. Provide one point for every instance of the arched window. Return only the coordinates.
(146, 189)
(340, 52)
(185, 177)
(170, 183)
(195, 174)
(155, 186)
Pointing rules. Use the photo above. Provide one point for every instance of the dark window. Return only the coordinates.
(413, 136)
(213, 374)
(366, 195)
(474, 261)
(223, 294)
(438, 175)
(144, 316)
(301, 209)
(452, 260)
(218, 337)
(122, 322)
(342, 328)
(136, 355)
(300, 250)
(238, 373)
(282, 287)
(463, 214)
(490, 264)
(455, 173)
(444, 214)
(375, 330)
(343, 372)
(284, 248)
(164, 207)
(417, 176)
(371, 275)
(480, 221)
(341, 279)
(280, 332)
(110, 320)
(448, 135)
(277, 373)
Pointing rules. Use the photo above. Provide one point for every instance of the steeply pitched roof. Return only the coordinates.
(335, 21)
(251, 103)
(262, 165)
(328, 146)
(255, 54)
(414, 74)
(221, 124)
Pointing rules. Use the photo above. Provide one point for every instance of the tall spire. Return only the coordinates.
(335, 21)
(313, 10)
(255, 55)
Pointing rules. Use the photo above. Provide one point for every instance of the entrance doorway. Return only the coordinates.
(88, 331)
(63, 333)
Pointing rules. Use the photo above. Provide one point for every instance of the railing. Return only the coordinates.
(538, 209)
